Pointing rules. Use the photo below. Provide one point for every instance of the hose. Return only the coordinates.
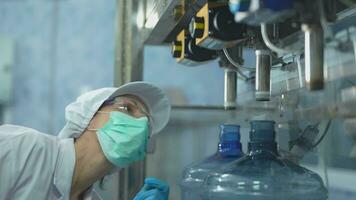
(324, 134)
(238, 66)
(270, 44)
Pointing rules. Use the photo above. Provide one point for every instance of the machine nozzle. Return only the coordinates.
(314, 56)
(263, 70)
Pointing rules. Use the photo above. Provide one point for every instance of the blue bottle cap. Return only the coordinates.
(262, 131)
(262, 136)
(230, 144)
(229, 132)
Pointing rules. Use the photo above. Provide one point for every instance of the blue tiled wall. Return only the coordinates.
(28, 24)
(62, 49)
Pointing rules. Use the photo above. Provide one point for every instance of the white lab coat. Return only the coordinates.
(34, 165)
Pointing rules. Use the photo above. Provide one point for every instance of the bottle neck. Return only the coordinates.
(262, 137)
(260, 147)
(230, 149)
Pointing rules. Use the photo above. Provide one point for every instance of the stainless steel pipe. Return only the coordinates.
(263, 73)
(314, 56)
(230, 89)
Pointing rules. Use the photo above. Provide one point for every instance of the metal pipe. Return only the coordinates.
(263, 72)
(314, 56)
(230, 89)
(300, 71)
(354, 45)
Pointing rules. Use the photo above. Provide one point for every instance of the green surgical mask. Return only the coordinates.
(123, 138)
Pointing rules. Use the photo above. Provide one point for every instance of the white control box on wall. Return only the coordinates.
(6, 62)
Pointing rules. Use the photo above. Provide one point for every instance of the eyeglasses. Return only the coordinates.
(130, 107)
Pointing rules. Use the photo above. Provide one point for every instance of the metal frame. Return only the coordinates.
(128, 68)
(129, 48)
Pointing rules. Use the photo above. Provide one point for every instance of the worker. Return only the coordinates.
(106, 130)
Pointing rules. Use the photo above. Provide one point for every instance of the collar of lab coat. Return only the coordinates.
(64, 170)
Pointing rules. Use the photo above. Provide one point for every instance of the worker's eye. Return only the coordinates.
(123, 108)
(127, 108)
(131, 109)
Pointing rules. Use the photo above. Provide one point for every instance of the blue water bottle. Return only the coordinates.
(263, 175)
(229, 149)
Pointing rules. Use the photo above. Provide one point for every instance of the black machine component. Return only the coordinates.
(187, 52)
(214, 27)
(196, 27)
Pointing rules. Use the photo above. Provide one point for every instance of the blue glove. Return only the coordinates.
(153, 189)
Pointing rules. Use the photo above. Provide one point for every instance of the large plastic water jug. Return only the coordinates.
(229, 149)
(263, 175)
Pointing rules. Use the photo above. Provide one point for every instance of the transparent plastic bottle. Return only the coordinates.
(263, 175)
(229, 149)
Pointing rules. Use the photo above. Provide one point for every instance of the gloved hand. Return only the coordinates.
(153, 189)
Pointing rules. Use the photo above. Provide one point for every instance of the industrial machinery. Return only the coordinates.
(304, 71)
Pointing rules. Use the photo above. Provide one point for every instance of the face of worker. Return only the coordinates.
(127, 104)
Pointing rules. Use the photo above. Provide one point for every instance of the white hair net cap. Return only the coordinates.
(79, 113)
